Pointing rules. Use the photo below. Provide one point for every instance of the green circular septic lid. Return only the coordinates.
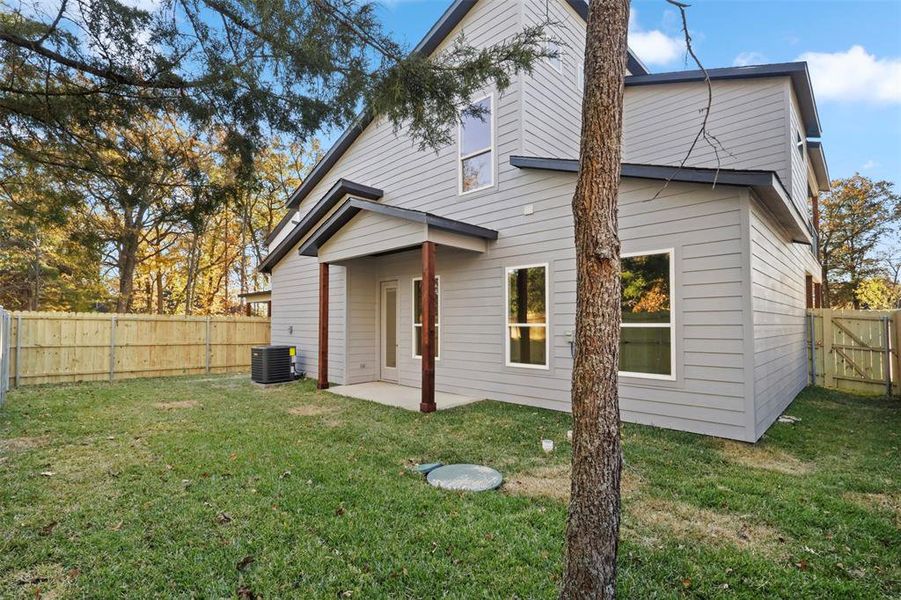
(466, 478)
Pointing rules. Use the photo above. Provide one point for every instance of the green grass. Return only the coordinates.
(148, 502)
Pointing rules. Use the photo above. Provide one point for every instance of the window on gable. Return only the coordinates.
(646, 341)
(527, 326)
(799, 143)
(417, 317)
(556, 62)
(477, 148)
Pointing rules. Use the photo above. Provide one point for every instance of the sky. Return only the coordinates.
(853, 50)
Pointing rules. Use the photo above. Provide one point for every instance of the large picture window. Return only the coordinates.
(527, 327)
(646, 341)
(477, 148)
(417, 318)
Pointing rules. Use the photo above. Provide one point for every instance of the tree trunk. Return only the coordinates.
(128, 259)
(594, 510)
(159, 292)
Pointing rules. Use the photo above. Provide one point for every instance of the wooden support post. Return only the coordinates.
(247, 309)
(429, 311)
(269, 309)
(808, 291)
(828, 356)
(322, 382)
(896, 351)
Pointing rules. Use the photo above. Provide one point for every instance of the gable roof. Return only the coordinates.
(342, 187)
(353, 206)
(797, 71)
(766, 184)
(439, 31)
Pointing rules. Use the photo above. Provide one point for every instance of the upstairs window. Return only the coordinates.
(646, 340)
(527, 336)
(556, 62)
(477, 148)
(580, 76)
(799, 144)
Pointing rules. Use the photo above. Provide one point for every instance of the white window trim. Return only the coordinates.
(558, 67)
(580, 76)
(489, 150)
(547, 321)
(672, 317)
(413, 317)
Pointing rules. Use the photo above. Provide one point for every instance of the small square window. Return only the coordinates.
(555, 61)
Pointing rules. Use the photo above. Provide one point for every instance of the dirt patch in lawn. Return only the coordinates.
(879, 502)
(181, 404)
(311, 410)
(760, 457)
(24, 443)
(554, 483)
(646, 518)
(47, 581)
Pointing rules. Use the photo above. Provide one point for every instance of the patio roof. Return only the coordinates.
(354, 206)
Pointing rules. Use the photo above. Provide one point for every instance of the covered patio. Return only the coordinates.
(363, 229)
(399, 396)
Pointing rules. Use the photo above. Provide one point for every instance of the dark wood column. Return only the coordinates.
(429, 309)
(322, 382)
(269, 309)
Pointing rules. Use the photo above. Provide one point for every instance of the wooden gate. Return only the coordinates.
(855, 350)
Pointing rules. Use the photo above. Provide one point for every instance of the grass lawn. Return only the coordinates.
(213, 488)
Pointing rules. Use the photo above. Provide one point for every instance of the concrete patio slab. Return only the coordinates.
(401, 396)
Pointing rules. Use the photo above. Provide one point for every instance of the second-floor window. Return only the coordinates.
(477, 148)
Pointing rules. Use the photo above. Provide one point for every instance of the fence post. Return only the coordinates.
(208, 344)
(812, 331)
(112, 347)
(5, 328)
(828, 360)
(886, 339)
(18, 349)
(896, 348)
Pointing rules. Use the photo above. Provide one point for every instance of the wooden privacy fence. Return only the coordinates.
(47, 347)
(855, 350)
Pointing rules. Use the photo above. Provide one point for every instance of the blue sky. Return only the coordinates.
(853, 49)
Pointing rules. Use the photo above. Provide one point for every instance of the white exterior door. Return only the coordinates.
(388, 331)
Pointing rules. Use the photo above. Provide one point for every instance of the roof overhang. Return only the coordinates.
(431, 223)
(797, 71)
(766, 185)
(818, 162)
(432, 40)
(257, 296)
(336, 193)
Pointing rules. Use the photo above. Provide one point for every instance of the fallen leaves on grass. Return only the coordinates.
(48, 528)
(223, 518)
(310, 410)
(245, 593)
(43, 581)
(764, 457)
(245, 562)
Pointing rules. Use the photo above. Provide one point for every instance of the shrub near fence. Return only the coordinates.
(48, 347)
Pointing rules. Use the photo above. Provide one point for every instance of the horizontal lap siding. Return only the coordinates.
(395, 165)
(798, 184)
(777, 289)
(748, 117)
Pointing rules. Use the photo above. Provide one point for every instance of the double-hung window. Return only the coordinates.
(477, 147)
(646, 341)
(553, 48)
(417, 318)
(527, 326)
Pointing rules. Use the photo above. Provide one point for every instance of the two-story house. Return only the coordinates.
(716, 278)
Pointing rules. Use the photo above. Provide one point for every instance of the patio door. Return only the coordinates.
(388, 331)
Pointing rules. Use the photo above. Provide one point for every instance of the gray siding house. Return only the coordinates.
(716, 278)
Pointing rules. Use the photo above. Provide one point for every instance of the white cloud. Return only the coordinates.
(855, 75)
(870, 164)
(653, 47)
(748, 58)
